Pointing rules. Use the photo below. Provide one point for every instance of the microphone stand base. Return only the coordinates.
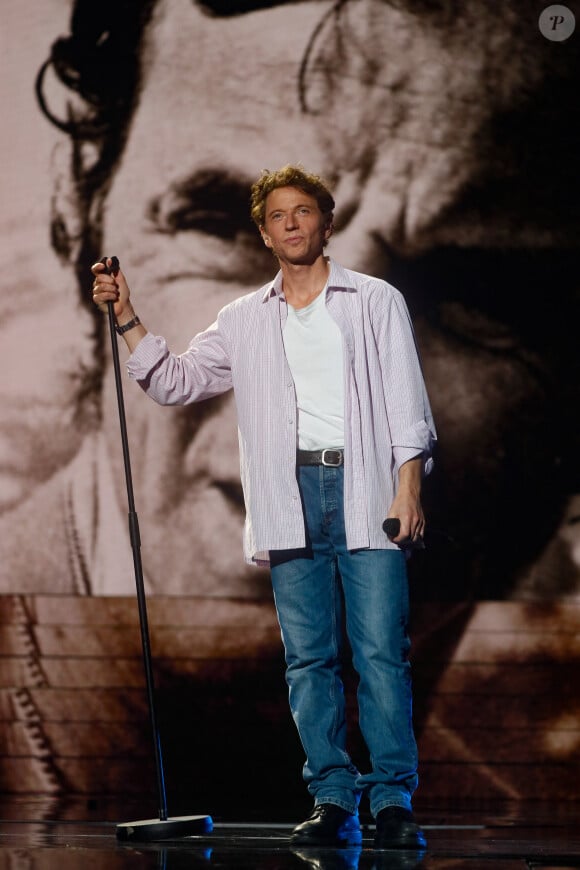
(153, 830)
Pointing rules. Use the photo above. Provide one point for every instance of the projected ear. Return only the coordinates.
(66, 226)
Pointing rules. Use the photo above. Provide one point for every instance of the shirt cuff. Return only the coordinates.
(148, 353)
(418, 440)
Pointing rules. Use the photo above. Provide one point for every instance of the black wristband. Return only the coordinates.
(127, 326)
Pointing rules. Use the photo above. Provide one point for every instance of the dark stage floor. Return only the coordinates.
(39, 835)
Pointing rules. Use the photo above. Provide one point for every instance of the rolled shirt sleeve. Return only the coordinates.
(201, 372)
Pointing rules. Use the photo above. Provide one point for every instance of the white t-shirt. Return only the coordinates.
(313, 345)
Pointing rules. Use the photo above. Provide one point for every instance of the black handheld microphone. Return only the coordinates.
(392, 527)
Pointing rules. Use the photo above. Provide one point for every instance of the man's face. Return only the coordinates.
(178, 218)
(294, 227)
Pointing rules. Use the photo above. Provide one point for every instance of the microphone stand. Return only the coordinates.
(146, 830)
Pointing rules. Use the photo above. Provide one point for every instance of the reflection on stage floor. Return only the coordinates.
(42, 835)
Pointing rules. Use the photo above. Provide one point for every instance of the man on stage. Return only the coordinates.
(335, 435)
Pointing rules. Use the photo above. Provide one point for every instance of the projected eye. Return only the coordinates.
(208, 202)
(229, 8)
(208, 215)
(476, 327)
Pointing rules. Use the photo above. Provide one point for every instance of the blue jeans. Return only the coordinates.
(312, 588)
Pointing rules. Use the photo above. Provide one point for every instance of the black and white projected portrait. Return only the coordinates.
(449, 133)
(452, 160)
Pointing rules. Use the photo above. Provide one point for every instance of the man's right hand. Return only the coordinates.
(112, 288)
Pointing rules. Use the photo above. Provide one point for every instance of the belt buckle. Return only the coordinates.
(325, 461)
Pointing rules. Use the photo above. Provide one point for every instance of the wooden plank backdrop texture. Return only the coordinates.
(497, 713)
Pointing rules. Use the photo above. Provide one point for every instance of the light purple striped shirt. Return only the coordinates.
(387, 417)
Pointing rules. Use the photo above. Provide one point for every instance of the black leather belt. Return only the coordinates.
(331, 456)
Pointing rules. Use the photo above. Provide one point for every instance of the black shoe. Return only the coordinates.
(329, 825)
(397, 829)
